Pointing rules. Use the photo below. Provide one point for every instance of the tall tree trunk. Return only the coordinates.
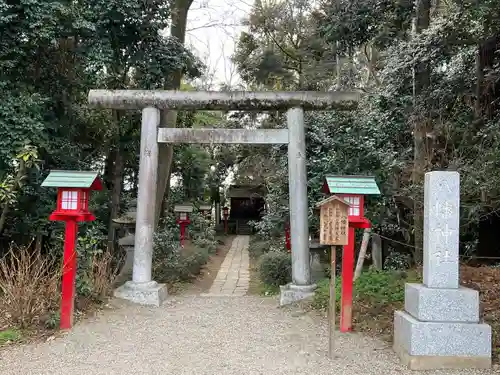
(16, 185)
(164, 202)
(168, 119)
(338, 62)
(351, 67)
(421, 124)
(338, 66)
(371, 55)
(479, 83)
(116, 183)
(116, 166)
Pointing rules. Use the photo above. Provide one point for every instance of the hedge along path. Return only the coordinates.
(233, 277)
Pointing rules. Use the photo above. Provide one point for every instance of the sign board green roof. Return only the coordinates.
(364, 185)
(72, 179)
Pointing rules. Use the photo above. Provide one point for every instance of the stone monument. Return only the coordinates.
(440, 326)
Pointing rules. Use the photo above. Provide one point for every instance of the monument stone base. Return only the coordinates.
(437, 304)
(149, 294)
(291, 293)
(441, 345)
(423, 362)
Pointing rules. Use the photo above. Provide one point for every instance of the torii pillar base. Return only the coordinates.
(291, 293)
(148, 294)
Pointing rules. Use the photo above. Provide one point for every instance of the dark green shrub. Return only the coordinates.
(380, 286)
(275, 268)
(171, 263)
(210, 245)
(322, 294)
(178, 267)
(374, 287)
(398, 261)
(202, 232)
(258, 247)
(195, 261)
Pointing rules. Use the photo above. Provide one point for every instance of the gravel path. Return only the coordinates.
(204, 335)
(222, 332)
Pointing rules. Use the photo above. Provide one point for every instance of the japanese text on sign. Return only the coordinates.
(333, 224)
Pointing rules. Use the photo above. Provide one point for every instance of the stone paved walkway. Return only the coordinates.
(234, 275)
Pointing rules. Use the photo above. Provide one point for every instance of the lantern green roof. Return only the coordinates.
(72, 179)
(364, 185)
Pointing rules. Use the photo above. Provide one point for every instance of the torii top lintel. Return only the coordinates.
(219, 100)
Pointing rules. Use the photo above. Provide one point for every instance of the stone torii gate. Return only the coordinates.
(142, 289)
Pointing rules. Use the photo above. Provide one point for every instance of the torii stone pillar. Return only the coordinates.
(301, 286)
(142, 289)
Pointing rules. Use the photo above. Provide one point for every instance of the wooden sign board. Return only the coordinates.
(333, 221)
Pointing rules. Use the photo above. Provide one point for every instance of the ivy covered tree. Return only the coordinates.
(428, 72)
(51, 54)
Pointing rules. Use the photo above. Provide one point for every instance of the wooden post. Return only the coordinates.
(332, 305)
(333, 232)
(362, 253)
(377, 251)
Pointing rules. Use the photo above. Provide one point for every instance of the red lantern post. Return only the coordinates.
(225, 213)
(287, 237)
(351, 189)
(183, 219)
(72, 207)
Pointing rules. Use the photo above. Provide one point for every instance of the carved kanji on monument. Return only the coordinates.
(440, 326)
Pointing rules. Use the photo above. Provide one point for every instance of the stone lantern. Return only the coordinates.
(127, 242)
(206, 210)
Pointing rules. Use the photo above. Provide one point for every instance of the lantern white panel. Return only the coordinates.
(69, 200)
(354, 209)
